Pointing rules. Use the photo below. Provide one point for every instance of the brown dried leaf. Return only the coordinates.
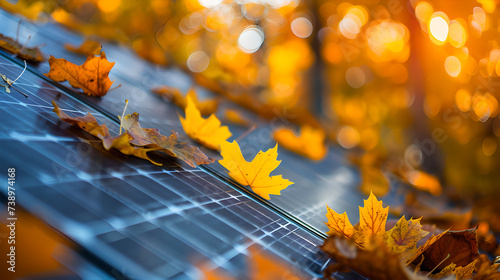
(458, 247)
(152, 139)
(137, 141)
(30, 54)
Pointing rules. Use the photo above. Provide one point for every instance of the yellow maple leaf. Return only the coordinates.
(255, 173)
(310, 143)
(372, 218)
(91, 76)
(338, 223)
(403, 237)
(207, 132)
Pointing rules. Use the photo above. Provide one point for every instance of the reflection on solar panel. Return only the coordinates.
(144, 221)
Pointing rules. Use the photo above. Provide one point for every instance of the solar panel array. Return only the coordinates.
(144, 221)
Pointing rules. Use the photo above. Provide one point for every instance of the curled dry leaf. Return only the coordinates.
(12, 46)
(206, 107)
(310, 143)
(91, 76)
(457, 247)
(136, 141)
(152, 139)
(255, 173)
(207, 132)
(88, 47)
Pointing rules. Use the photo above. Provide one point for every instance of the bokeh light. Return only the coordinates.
(251, 39)
(198, 61)
(438, 27)
(452, 66)
(302, 27)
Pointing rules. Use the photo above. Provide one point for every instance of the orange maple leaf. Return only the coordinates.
(91, 76)
(255, 173)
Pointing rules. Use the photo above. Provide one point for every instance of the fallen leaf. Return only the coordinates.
(423, 181)
(255, 173)
(87, 123)
(310, 143)
(447, 254)
(458, 247)
(88, 47)
(206, 107)
(485, 270)
(465, 272)
(8, 83)
(152, 139)
(448, 270)
(27, 8)
(372, 219)
(91, 76)
(136, 140)
(12, 46)
(207, 132)
(338, 223)
(235, 117)
(376, 261)
(403, 237)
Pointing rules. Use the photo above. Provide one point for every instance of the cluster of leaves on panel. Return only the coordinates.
(403, 251)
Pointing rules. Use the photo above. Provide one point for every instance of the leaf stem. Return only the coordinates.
(24, 46)
(437, 265)
(25, 66)
(123, 115)
(252, 128)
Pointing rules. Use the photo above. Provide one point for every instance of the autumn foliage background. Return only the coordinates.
(408, 88)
